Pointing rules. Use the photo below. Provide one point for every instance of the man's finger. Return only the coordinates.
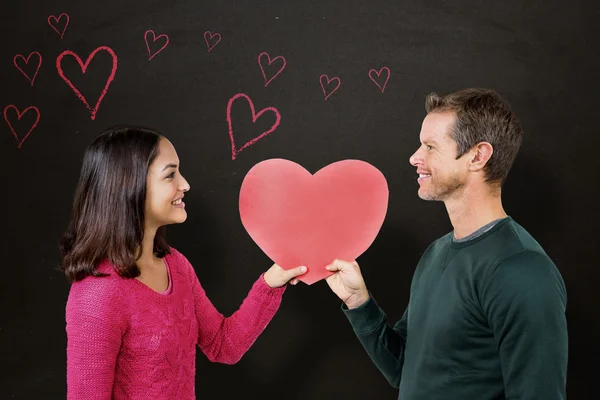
(339, 265)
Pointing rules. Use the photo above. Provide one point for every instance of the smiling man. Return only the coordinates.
(486, 314)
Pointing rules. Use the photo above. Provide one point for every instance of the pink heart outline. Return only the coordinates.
(18, 56)
(56, 22)
(84, 67)
(19, 116)
(155, 38)
(264, 53)
(328, 82)
(209, 36)
(379, 75)
(234, 151)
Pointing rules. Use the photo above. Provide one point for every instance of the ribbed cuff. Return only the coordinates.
(264, 287)
(365, 318)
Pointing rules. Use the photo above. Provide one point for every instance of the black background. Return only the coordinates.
(541, 55)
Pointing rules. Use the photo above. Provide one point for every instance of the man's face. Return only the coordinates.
(441, 175)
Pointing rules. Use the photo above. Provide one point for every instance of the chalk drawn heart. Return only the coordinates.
(19, 116)
(20, 57)
(151, 53)
(386, 74)
(53, 22)
(297, 218)
(329, 91)
(255, 116)
(211, 40)
(261, 58)
(84, 68)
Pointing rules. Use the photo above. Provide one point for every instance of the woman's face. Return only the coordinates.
(165, 187)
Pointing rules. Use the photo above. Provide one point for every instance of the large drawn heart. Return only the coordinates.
(235, 150)
(298, 218)
(84, 68)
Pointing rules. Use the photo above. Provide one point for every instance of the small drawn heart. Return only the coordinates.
(298, 218)
(151, 54)
(19, 116)
(20, 57)
(328, 92)
(53, 22)
(372, 74)
(255, 116)
(84, 67)
(211, 40)
(261, 58)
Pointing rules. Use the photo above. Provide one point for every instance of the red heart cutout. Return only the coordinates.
(234, 150)
(26, 60)
(84, 67)
(301, 219)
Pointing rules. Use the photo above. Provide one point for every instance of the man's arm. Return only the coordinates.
(525, 301)
(384, 344)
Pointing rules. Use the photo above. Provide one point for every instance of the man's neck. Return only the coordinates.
(471, 210)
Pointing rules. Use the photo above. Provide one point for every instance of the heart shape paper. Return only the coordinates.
(298, 218)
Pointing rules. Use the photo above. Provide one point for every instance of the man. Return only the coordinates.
(486, 314)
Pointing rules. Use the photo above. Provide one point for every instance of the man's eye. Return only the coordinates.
(428, 147)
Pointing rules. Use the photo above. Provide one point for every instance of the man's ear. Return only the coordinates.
(480, 155)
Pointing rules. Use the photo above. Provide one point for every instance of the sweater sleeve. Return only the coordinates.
(525, 300)
(226, 339)
(94, 331)
(384, 344)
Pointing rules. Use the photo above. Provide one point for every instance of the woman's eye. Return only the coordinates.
(171, 175)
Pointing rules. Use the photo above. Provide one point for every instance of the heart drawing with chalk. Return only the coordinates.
(234, 149)
(298, 218)
(84, 67)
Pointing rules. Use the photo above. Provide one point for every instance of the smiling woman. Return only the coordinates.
(136, 310)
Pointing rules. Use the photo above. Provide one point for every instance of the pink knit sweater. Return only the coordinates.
(127, 341)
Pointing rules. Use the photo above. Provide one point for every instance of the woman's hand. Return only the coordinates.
(277, 276)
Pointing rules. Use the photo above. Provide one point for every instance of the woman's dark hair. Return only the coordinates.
(109, 205)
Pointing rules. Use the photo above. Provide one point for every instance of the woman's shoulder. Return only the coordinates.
(105, 287)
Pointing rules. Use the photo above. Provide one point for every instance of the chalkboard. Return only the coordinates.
(327, 81)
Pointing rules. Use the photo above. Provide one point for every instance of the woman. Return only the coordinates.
(136, 309)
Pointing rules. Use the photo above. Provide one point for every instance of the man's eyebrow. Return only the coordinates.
(169, 166)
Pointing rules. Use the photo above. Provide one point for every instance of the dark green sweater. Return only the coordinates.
(485, 321)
